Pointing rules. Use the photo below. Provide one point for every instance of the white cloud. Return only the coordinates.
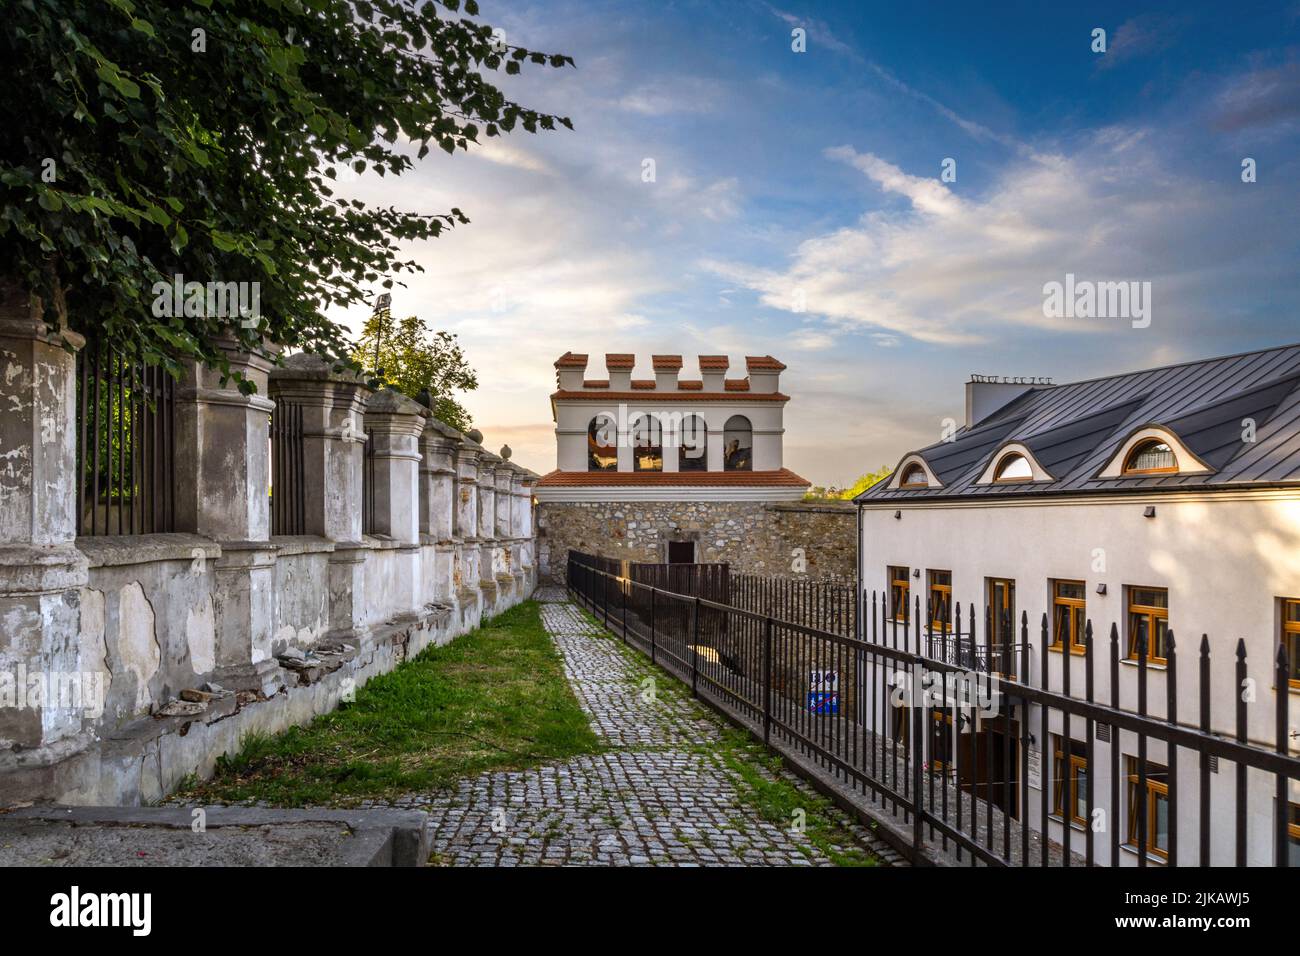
(955, 271)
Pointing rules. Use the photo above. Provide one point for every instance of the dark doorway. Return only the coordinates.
(681, 552)
(986, 772)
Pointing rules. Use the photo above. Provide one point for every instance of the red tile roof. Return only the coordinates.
(689, 384)
(781, 478)
(619, 360)
(668, 394)
(737, 384)
(570, 360)
(763, 363)
(666, 363)
(714, 363)
(595, 383)
(643, 383)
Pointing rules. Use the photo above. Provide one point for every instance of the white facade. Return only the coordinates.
(1227, 559)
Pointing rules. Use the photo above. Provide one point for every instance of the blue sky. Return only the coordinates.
(813, 178)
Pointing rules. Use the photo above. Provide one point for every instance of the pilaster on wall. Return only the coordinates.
(438, 444)
(222, 492)
(333, 407)
(465, 529)
(41, 570)
(488, 553)
(395, 424)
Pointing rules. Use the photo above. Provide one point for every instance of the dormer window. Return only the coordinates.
(914, 476)
(1151, 457)
(1014, 467)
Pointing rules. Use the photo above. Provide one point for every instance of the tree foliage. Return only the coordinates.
(424, 365)
(145, 139)
(818, 493)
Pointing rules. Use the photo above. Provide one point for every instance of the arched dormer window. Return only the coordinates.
(914, 476)
(1012, 464)
(602, 444)
(1013, 467)
(738, 444)
(913, 473)
(1151, 457)
(1152, 451)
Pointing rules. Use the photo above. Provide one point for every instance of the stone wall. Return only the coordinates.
(129, 662)
(754, 537)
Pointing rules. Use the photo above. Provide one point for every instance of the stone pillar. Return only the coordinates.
(332, 408)
(438, 445)
(488, 556)
(395, 424)
(465, 528)
(41, 570)
(222, 470)
(713, 452)
(505, 563)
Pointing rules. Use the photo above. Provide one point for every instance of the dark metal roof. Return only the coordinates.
(1074, 430)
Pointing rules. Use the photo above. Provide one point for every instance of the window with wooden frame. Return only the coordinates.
(1291, 638)
(1148, 613)
(1155, 807)
(1151, 457)
(940, 598)
(1293, 834)
(1069, 615)
(1002, 615)
(899, 587)
(1070, 780)
(914, 476)
(1012, 468)
(940, 740)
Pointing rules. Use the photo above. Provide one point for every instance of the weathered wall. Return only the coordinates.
(756, 537)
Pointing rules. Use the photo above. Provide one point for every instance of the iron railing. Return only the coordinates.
(942, 754)
(288, 462)
(126, 447)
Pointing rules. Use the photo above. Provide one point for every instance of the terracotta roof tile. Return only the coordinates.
(619, 360)
(689, 384)
(714, 363)
(666, 363)
(595, 383)
(744, 395)
(737, 384)
(570, 360)
(763, 363)
(781, 478)
(643, 383)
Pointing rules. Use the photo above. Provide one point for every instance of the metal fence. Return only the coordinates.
(288, 506)
(911, 738)
(368, 485)
(126, 425)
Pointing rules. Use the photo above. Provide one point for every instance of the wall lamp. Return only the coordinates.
(1101, 588)
(1149, 511)
(898, 515)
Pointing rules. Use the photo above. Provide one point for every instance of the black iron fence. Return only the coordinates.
(945, 738)
(288, 506)
(126, 426)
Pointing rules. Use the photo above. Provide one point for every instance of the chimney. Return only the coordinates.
(666, 368)
(764, 373)
(569, 371)
(618, 365)
(985, 394)
(713, 369)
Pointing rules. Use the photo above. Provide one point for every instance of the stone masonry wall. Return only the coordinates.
(753, 537)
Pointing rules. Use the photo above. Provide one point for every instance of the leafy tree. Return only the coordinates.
(145, 139)
(866, 481)
(427, 366)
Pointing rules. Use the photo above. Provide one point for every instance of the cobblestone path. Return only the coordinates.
(661, 794)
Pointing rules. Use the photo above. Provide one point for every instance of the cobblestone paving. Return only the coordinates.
(660, 795)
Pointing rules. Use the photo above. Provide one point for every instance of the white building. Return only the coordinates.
(1164, 501)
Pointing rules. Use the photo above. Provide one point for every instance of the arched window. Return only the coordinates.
(1150, 457)
(647, 444)
(914, 477)
(602, 444)
(693, 445)
(1014, 467)
(738, 444)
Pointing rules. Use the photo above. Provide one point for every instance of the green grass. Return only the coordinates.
(492, 699)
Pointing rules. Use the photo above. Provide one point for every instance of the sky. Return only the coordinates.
(798, 206)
